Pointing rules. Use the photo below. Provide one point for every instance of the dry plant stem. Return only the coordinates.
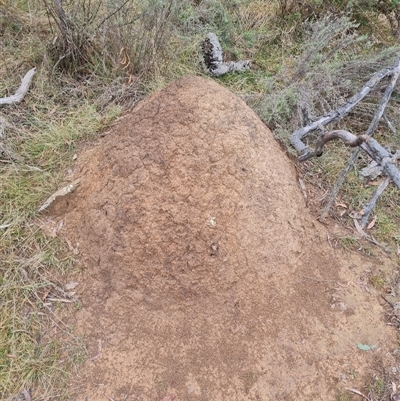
(389, 124)
(369, 207)
(117, 10)
(63, 25)
(296, 139)
(370, 131)
(22, 90)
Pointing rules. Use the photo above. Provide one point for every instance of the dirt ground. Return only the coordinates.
(204, 275)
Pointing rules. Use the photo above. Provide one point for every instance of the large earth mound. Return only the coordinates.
(205, 276)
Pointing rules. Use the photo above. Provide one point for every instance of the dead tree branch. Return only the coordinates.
(365, 142)
(370, 131)
(214, 60)
(370, 206)
(296, 138)
(376, 151)
(21, 91)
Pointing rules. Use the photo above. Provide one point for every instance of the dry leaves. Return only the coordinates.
(372, 223)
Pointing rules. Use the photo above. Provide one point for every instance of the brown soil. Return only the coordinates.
(205, 275)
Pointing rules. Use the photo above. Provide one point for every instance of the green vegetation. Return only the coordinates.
(97, 59)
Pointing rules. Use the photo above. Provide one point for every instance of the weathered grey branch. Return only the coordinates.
(214, 60)
(389, 124)
(370, 131)
(21, 91)
(296, 139)
(370, 206)
(369, 145)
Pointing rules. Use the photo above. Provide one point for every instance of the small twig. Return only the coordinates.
(392, 305)
(343, 285)
(389, 124)
(60, 300)
(272, 299)
(357, 392)
(21, 91)
(112, 14)
(61, 192)
(303, 190)
(338, 184)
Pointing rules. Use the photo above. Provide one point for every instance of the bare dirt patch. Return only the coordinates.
(205, 275)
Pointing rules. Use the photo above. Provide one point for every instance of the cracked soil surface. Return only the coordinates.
(204, 275)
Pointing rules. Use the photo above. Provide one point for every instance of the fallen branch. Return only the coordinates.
(296, 138)
(214, 61)
(376, 151)
(372, 147)
(370, 131)
(21, 91)
(370, 206)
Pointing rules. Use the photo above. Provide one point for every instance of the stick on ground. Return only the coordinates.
(21, 91)
(370, 131)
(335, 115)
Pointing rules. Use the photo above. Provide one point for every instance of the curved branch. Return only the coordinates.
(365, 142)
(347, 137)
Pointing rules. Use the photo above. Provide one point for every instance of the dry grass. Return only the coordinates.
(39, 138)
(36, 349)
